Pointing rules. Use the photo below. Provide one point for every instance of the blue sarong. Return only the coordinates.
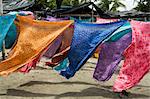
(8, 30)
(87, 37)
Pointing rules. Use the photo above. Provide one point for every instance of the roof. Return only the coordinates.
(14, 5)
(81, 9)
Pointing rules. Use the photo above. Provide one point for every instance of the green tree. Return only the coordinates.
(143, 5)
(74, 2)
(105, 5)
(52, 3)
(116, 5)
(46, 3)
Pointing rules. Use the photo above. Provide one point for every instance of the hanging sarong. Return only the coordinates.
(7, 30)
(85, 40)
(137, 57)
(34, 38)
(110, 56)
(125, 29)
(63, 48)
(53, 47)
(28, 14)
(51, 50)
(82, 20)
(57, 51)
(101, 20)
(62, 65)
(50, 18)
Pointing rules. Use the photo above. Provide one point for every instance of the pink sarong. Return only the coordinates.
(137, 57)
(101, 20)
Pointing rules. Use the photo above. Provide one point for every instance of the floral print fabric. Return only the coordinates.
(137, 57)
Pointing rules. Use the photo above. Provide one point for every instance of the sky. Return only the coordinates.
(130, 4)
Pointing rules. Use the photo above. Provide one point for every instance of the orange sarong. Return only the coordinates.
(34, 38)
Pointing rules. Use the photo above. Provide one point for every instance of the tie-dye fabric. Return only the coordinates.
(86, 39)
(110, 56)
(64, 46)
(28, 14)
(111, 52)
(53, 47)
(62, 65)
(7, 30)
(82, 20)
(34, 38)
(50, 18)
(126, 28)
(137, 57)
(101, 20)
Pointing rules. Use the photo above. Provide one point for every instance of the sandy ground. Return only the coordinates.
(45, 83)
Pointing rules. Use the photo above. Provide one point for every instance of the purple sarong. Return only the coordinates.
(109, 57)
(53, 47)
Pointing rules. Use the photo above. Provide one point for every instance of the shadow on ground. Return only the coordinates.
(89, 92)
(31, 83)
(103, 91)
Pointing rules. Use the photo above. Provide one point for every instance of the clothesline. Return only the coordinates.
(61, 40)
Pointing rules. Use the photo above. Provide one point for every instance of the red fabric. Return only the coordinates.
(137, 57)
(31, 65)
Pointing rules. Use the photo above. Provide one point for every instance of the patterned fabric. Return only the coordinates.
(63, 65)
(28, 14)
(110, 56)
(50, 18)
(137, 57)
(49, 52)
(53, 47)
(82, 20)
(62, 48)
(126, 28)
(34, 38)
(57, 50)
(85, 41)
(7, 30)
(101, 20)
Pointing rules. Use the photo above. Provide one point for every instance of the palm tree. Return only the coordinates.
(78, 2)
(72, 2)
(44, 3)
(143, 5)
(105, 5)
(116, 5)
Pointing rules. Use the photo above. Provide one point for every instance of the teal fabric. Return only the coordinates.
(7, 30)
(11, 36)
(81, 20)
(126, 28)
(62, 65)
